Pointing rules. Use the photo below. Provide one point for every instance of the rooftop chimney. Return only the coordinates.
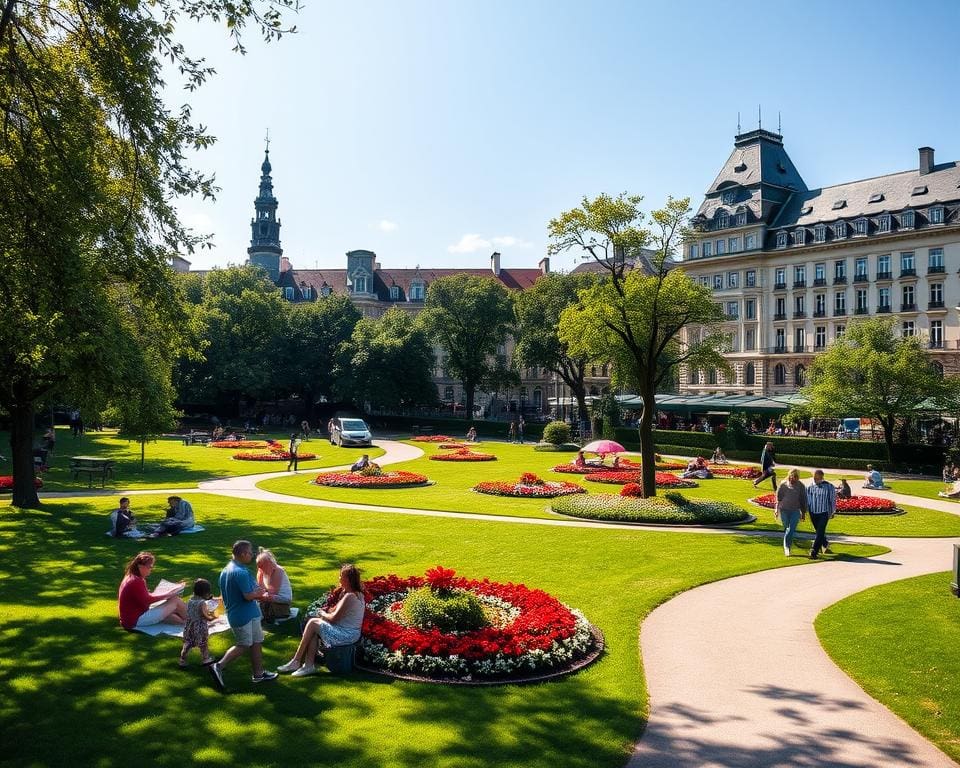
(284, 264)
(926, 160)
(545, 265)
(495, 263)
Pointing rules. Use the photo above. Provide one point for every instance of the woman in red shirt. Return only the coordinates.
(135, 598)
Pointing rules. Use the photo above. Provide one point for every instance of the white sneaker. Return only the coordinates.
(786, 551)
(305, 672)
(291, 666)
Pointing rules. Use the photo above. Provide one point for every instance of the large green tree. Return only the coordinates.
(469, 317)
(634, 316)
(90, 162)
(538, 342)
(874, 371)
(390, 363)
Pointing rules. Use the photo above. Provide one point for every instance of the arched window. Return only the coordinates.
(694, 375)
(938, 368)
(538, 398)
(800, 375)
(712, 376)
(749, 375)
(780, 374)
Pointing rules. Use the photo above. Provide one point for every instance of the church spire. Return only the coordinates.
(265, 249)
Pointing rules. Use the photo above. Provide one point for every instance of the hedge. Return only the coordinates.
(458, 427)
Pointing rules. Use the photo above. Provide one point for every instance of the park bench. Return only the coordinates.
(196, 438)
(92, 467)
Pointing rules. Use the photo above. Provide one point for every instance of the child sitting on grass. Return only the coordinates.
(195, 630)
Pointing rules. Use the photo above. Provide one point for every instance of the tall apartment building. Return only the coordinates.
(793, 266)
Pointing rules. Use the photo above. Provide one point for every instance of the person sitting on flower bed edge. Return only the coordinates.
(697, 469)
(362, 463)
(341, 626)
(873, 479)
(718, 457)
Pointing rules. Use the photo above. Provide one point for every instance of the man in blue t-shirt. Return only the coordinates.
(241, 593)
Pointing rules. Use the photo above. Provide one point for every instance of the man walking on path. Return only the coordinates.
(822, 504)
(241, 594)
(768, 461)
(520, 425)
(294, 451)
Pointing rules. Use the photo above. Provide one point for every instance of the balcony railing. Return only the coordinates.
(908, 272)
(819, 282)
(884, 275)
(820, 313)
(779, 350)
(908, 307)
(936, 343)
(800, 283)
(861, 277)
(935, 305)
(799, 314)
(779, 286)
(780, 316)
(861, 310)
(883, 308)
(938, 270)
(839, 312)
(840, 280)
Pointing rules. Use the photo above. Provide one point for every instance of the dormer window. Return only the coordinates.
(935, 214)
(920, 190)
(416, 291)
(781, 239)
(876, 197)
(840, 230)
(394, 292)
(861, 227)
(806, 210)
(325, 290)
(820, 233)
(883, 223)
(288, 293)
(306, 291)
(359, 285)
(800, 237)
(729, 196)
(741, 219)
(723, 221)
(907, 220)
(839, 204)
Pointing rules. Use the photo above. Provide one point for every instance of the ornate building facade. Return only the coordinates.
(792, 266)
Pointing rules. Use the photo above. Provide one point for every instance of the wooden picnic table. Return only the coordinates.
(91, 466)
(197, 438)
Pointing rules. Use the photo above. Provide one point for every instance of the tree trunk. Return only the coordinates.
(648, 470)
(469, 391)
(21, 448)
(888, 427)
(143, 450)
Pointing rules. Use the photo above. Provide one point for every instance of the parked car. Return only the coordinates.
(350, 431)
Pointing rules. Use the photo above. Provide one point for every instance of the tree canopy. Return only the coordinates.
(634, 316)
(872, 371)
(469, 317)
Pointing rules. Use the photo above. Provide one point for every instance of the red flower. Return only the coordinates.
(392, 479)
(441, 578)
(6, 482)
(432, 438)
(854, 504)
(662, 479)
(529, 486)
(463, 454)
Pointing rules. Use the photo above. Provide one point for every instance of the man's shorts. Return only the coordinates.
(249, 634)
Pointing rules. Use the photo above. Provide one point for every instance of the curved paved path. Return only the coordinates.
(736, 674)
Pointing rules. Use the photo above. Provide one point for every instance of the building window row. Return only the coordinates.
(861, 227)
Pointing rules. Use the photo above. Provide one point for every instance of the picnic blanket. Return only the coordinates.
(195, 529)
(214, 627)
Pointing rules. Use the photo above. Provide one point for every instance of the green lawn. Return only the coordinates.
(453, 482)
(927, 489)
(78, 690)
(169, 463)
(899, 642)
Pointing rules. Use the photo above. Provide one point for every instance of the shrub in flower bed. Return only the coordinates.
(669, 509)
(663, 479)
(432, 438)
(855, 505)
(463, 454)
(6, 483)
(243, 443)
(747, 473)
(518, 632)
(529, 486)
(386, 479)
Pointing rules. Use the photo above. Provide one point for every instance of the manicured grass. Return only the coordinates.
(169, 463)
(78, 690)
(454, 480)
(927, 489)
(899, 642)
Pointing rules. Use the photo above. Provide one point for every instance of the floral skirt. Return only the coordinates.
(195, 634)
(334, 634)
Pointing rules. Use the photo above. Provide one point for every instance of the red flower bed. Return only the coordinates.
(6, 483)
(536, 631)
(392, 479)
(663, 479)
(574, 469)
(747, 473)
(528, 486)
(463, 454)
(273, 455)
(454, 445)
(855, 505)
(243, 443)
(432, 438)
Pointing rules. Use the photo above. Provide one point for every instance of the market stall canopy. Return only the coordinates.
(718, 404)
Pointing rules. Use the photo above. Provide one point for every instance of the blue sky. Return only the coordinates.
(436, 132)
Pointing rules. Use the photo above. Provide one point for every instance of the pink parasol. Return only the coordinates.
(604, 447)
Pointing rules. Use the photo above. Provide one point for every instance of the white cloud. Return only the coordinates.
(469, 244)
(385, 225)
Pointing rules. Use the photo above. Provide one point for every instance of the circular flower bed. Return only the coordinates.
(463, 454)
(6, 483)
(277, 454)
(453, 445)
(577, 469)
(528, 486)
(242, 443)
(385, 479)
(432, 438)
(490, 631)
(663, 479)
(855, 505)
(669, 509)
(747, 473)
